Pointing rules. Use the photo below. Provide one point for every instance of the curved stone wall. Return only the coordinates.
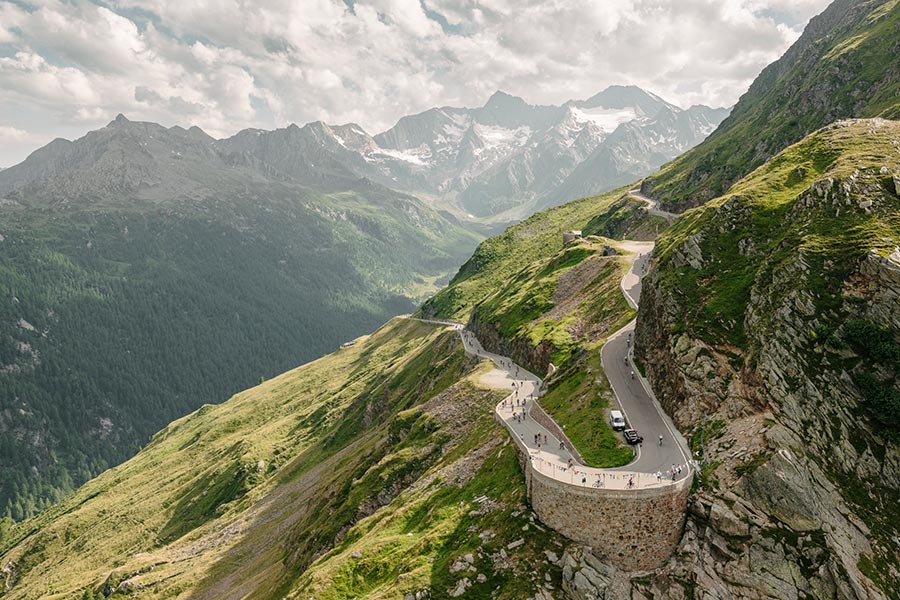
(541, 417)
(634, 530)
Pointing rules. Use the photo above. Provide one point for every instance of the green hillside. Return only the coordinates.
(370, 472)
(245, 496)
(498, 259)
(775, 308)
(844, 65)
(121, 312)
(767, 215)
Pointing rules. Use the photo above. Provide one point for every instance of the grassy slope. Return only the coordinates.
(243, 497)
(833, 72)
(761, 208)
(201, 463)
(142, 314)
(499, 258)
(800, 213)
(626, 218)
(413, 544)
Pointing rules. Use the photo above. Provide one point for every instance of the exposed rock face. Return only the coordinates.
(799, 492)
(535, 358)
(881, 275)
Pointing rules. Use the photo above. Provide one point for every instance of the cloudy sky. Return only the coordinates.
(68, 67)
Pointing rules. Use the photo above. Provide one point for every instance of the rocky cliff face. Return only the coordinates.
(787, 407)
(535, 358)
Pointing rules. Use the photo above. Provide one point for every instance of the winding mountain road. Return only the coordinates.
(652, 205)
(634, 395)
(653, 462)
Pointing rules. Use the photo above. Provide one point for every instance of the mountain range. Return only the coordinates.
(768, 329)
(507, 159)
(149, 270)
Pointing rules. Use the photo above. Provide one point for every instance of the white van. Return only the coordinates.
(617, 420)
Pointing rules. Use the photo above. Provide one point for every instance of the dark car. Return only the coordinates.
(632, 437)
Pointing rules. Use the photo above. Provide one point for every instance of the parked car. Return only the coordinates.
(617, 420)
(632, 437)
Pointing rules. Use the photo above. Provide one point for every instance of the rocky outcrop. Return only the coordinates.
(879, 277)
(799, 484)
(535, 358)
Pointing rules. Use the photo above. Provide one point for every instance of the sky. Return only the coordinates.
(67, 67)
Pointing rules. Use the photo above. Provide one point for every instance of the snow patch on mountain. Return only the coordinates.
(416, 156)
(495, 137)
(502, 161)
(607, 119)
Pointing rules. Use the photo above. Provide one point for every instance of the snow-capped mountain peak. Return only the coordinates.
(504, 159)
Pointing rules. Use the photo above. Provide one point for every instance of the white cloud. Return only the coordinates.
(15, 137)
(231, 64)
(11, 134)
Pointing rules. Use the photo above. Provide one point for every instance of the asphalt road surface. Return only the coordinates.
(633, 397)
(634, 394)
(652, 205)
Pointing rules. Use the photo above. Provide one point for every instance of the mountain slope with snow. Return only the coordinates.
(508, 159)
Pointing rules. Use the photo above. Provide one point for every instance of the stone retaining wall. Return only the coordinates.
(633, 530)
(541, 417)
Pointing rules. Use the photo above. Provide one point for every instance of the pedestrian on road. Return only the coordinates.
(583, 479)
